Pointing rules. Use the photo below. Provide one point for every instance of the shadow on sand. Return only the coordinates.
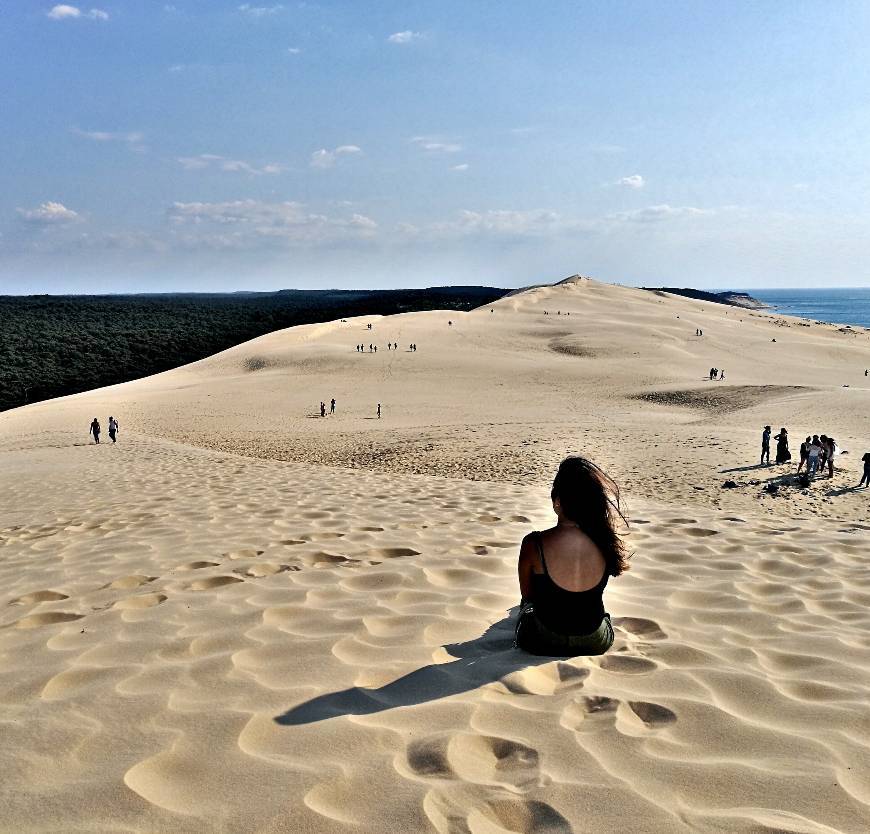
(483, 660)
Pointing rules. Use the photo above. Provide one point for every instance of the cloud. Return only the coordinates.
(436, 144)
(463, 167)
(404, 37)
(222, 163)
(64, 12)
(259, 11)
(49, 214)
(132, 139)
(327, 159)
(293, 50)
(498, 224)
(657, 214)
(634, 181)
(242, 224)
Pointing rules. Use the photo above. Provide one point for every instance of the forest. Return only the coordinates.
(51, 346)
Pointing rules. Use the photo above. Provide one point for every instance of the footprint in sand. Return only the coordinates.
(653, 715)
(699, 532)
(545, 680)
(627, 664)
(38, 596)
(243, 553)
(451, 812)
(479, 759)
(262, 569)
(48, 618)
(639, 627)
(214, 582)
(392, 552)
(198, 565)
(128, 583)
(140, 602)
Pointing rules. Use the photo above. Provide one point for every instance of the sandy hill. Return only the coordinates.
(246, 617)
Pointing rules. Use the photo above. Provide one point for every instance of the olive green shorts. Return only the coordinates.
(534, 637)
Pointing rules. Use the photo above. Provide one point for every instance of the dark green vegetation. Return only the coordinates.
(56, 345)
(729, 297)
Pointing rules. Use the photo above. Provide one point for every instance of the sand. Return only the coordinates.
(243, 617)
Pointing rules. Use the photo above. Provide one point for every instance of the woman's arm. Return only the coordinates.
(525, 567)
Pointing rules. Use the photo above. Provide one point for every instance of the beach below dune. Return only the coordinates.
(244, 617)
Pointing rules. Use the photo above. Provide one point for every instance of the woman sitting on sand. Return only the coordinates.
(563, 571)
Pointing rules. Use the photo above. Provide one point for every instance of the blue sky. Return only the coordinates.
(224, 145)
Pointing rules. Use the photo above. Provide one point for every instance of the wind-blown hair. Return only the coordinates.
(590, 499)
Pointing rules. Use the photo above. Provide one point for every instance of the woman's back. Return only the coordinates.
(569, 576)
(573, 560)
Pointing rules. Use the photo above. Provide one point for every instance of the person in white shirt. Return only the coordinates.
(113, 428)
(815, 451)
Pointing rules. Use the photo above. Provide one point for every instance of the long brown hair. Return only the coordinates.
(590, 499)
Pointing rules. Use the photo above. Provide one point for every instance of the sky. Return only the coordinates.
(206, 145)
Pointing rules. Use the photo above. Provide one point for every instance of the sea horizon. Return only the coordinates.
(836, 305)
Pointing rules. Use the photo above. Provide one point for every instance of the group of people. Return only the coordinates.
(390, 346)
(698, 331)
(332, 409)
(96, 429)
(816, 452)
(715, 372)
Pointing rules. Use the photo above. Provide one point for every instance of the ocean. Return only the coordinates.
(841, 306)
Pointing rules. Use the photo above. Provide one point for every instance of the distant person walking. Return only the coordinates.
(865, 478)
(765, 445)
(379, 411)
(783, 455)
(721, 375)
(832, 450)
(805, 454)
(95, 430)
(332, 406)
(813, 457)
(322, 409)
(113, 428)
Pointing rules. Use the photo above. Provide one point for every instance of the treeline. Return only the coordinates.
(51, 346)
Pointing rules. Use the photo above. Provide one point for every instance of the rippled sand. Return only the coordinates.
(204, 628)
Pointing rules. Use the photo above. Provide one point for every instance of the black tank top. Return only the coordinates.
(564, 611)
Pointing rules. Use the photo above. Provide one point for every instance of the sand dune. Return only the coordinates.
(246, 618)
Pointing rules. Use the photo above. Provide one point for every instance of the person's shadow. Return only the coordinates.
(479, 661)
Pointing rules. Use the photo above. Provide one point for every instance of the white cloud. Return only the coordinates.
(61, 12)
(259, 11)
(293, 50)
(634, 181)
(49, 214)
(657, 214)
(133, 139)
(222, 163)
(495, 223)
(327, 159)
(463, 167)
(65, 12)
(436, 144)
(243, 224)
(404, 37)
